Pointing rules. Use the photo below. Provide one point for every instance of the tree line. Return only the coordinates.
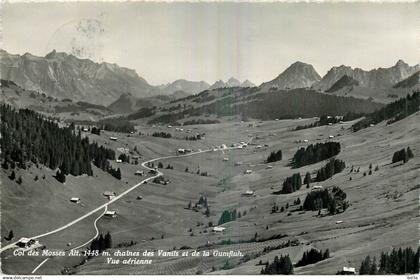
(162, 134)
(398, 261)
(392, 112)
(315, 153)
(28, 136)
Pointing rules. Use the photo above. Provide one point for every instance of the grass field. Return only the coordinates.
(383, 210)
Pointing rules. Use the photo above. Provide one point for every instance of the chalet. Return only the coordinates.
(339, 222)
(113, 138)
(218, 229)
(305, 141)
(331, 136)
(269, 167)
(225, 159)
(110, 195)
(26, 242)
(181, 151)
(118, 160)
(249, 193)
(258, 147)
(347, 270)
(316, 188)
(75, 200)
(248, 171)
(110, 214)
(85, 129)
(139, 173)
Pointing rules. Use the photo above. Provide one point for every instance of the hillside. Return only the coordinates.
(412, 81)
(250, 103)
(345, 81)
(392, 112)
(61, 75)
(65, 109)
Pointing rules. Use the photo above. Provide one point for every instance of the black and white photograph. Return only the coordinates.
(209, 138)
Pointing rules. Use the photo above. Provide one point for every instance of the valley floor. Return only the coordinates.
(383, 212)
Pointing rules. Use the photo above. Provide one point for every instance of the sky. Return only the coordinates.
(211, 41)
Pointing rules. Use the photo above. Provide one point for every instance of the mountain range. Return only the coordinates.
(62, 75)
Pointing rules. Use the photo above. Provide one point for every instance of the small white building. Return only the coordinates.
(339, 222)
(316, 188)
(118, 160)
(225, 159)
(248, 171)
(269, 167)
(223, 146)
(110, 214)
(305, 141)
(75, 200)
(113, 138)
(331, 136)
(348, 270)
(218, 229)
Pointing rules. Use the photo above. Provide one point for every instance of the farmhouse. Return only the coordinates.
(139, 173)
(181, 151)
(110, 195)
(26, 242)
(218, 229)
(113, 138)
(110, 214)
(75, 199)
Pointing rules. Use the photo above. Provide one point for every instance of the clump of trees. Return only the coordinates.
(124, 158)
(282, 265)
(315, 153)
(292, 184)
(275, 156)
(116, 173)
(228, 216)
(398, 261)
(402, 155)
(193, 137)
(313, 256)
(95, 130)
(334, 200)
(101, 243)
(162, 134)
(334, 166)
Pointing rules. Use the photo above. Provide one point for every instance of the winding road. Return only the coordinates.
(105, 205)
